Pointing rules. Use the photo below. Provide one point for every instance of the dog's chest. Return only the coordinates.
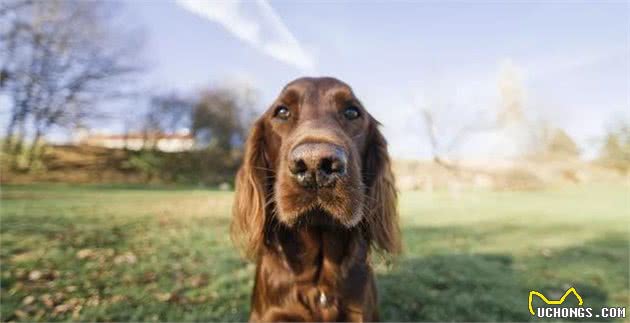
(321, 304)
(324, 280)
(315, 275)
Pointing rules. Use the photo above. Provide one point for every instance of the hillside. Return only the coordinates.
(86, 164)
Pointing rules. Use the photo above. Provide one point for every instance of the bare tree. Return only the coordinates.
(615, 150)
(58, 59)
(221, 117)
(218, 117)
(167, 113)
(445, 139)
(449, 125)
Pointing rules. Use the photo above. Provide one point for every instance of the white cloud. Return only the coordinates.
(257, 24)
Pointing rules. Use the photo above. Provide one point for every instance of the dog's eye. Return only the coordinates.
(351, 113)
(282, 112)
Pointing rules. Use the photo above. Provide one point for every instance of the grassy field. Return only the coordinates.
(133, 254)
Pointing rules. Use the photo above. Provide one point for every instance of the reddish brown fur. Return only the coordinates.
(307, 243)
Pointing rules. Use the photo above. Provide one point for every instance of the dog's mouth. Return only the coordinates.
(321, 209)
(317, 216)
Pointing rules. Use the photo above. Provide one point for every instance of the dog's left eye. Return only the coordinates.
(351, 113)
(282, 112)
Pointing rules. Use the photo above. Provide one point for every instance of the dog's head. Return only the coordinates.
(316, 155)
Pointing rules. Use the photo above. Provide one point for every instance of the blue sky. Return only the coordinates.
(569, 58)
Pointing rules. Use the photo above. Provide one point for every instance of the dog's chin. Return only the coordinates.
(316, 217)
(321, 215)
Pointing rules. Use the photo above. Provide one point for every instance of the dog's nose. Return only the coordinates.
(317, 165)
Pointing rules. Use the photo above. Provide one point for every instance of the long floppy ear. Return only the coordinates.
(382, 204)
(248, 210)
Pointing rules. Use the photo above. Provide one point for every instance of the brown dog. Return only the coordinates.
(314, 195)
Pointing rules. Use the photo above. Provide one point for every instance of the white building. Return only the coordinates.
(136, 141)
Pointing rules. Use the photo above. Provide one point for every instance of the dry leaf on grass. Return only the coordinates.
(35, 275)
(28, 300)
(126, 258)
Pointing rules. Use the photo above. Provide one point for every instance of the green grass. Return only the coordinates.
(133, 254)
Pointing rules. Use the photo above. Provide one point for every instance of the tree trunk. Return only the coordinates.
(17, 143)
(33, 152)
(19, 137)
(8, 139)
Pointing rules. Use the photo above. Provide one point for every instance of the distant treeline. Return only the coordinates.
(86, 164)
(202, 167)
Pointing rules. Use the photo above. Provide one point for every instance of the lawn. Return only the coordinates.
(140, 254)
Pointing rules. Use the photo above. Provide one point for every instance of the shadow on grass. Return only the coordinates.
(489, 287)
(453, 288)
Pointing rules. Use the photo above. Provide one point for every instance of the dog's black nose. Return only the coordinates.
(317, 165)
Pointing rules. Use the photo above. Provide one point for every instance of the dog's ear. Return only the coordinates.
(248, 210)
(382, 205)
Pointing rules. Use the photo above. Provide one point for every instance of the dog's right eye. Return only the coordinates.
(282, 112)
